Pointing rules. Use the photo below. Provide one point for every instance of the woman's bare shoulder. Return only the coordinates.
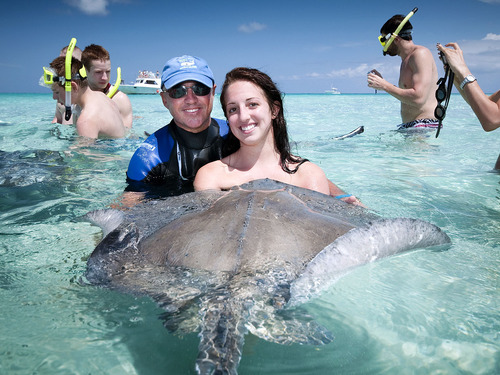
(210, 175)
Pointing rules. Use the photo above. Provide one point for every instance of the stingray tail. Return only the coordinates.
(222, 335)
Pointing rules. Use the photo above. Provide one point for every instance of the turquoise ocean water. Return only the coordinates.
(424, 312)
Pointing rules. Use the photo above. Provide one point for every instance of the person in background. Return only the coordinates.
(418, 75)
(258, 143)
(95, 114)
(486, 108)
(60, 109)
(98, 65)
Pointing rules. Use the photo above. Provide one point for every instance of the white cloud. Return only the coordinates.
(314, 75)
(490, 1)
(491, 36)
(482, 55)
(251, 27)
(91, 7)
(360, 70)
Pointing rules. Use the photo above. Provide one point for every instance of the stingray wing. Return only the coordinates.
(362, 245)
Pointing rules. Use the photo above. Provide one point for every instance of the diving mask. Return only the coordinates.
(50, 77)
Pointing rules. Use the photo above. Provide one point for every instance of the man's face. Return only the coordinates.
(98, 76)
(58, 93)
(190, 112)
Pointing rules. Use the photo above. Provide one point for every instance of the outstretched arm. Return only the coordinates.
(487, 109)
(338, 193)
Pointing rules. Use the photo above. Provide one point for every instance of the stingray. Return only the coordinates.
(229, 263)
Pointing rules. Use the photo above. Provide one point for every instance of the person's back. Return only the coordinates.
(97, 62)
(99, 116)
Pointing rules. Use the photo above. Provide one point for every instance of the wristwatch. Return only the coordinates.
(470, 78)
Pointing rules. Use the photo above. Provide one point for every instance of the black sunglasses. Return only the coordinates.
(443, 93)
(179, 91)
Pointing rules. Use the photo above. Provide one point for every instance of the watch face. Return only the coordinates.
(468, 79)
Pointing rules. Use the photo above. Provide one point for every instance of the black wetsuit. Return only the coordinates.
(167, 161)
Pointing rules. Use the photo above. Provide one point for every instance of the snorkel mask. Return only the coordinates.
(387, 40)
(50, 77)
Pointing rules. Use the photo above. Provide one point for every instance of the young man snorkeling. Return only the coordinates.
(97, 63)
(418, 74)
(59, 115)
(95, 114)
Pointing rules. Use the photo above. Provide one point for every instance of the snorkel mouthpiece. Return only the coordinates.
(67, 76)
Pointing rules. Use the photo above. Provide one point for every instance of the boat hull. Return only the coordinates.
(133, 89)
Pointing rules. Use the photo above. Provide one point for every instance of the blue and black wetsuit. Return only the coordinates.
(167, 161)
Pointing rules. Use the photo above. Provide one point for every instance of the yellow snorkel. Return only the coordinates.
(67, 76)
(387, 43)
(117, 83)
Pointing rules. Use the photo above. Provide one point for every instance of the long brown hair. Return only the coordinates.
(274, 99)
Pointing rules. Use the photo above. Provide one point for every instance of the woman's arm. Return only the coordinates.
(487, 109)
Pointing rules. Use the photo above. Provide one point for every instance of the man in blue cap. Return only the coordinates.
(171, 156)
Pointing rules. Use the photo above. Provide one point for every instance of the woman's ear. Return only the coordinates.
(275, 110)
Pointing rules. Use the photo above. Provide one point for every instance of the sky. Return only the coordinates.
(305, 46)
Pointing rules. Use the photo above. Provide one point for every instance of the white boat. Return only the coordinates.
(333, 90)
(145, 83)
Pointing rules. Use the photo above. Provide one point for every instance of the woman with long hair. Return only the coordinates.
(258, 146)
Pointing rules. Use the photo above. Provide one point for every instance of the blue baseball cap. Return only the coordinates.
(186, 68)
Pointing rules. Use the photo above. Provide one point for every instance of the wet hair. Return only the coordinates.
(59, 64)
(392, 24)
(77, 52)
(275, 100)
(94, 52)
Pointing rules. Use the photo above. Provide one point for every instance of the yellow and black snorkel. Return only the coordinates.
(387, 40)
(67, 76)
(117, 83)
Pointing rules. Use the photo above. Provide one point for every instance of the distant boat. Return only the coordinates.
(145, 83)
(333, 90)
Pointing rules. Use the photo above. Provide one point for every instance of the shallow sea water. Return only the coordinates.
(425, 312)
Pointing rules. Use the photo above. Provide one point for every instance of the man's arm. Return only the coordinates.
(421, 78)
(125, 107)
(59, 115)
